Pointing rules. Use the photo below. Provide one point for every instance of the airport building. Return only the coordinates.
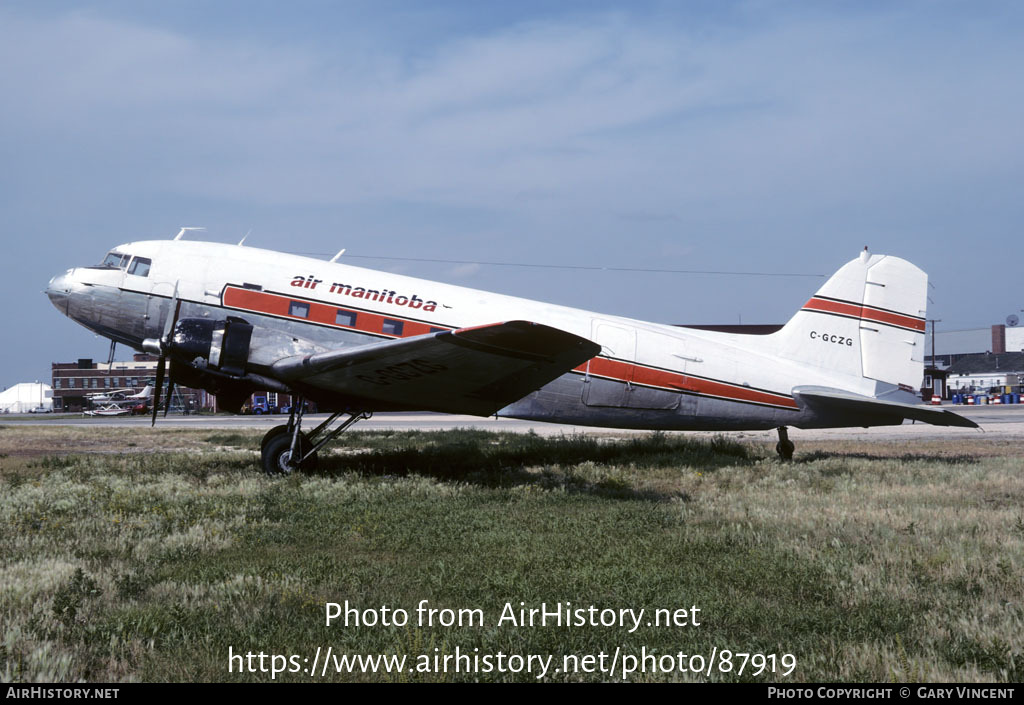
(951, 345)
(973, 359)
(26, 398)
(997, 373)
(74, 383)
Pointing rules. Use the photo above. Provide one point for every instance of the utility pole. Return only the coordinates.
(933, 321)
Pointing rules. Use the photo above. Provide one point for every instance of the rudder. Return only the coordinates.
(866, 322)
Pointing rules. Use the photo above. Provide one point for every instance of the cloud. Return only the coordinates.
(627, 113)
(760, 137)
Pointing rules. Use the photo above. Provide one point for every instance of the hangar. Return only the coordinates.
(25, 398)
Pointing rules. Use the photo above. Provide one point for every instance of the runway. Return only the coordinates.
(995, 421)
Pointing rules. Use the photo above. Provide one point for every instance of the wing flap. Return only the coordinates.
(841, 401)
(465, 371)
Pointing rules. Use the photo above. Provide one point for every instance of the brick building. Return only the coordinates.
(74, 382)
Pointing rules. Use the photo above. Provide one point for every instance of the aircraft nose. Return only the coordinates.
(59, 290)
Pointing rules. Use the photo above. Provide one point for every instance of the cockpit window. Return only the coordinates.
(140, 266)
(116, 260)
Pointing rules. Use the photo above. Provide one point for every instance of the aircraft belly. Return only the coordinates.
(599, 392)
(561, 401)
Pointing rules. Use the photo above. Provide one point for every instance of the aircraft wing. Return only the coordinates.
(466, 371)
(841, 401)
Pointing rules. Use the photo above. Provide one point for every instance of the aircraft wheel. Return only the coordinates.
(785, 450)
(275, 431)
(276, 455)
(784, 447)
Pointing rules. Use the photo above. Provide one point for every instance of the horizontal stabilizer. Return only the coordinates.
(837, 400)
(466, 371)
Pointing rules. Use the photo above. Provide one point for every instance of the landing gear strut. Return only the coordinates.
(785, 446)
(286, 448)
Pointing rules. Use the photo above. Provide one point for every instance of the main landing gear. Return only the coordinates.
(785, 446)
(286, 448)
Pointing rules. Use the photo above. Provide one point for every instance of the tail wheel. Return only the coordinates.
(277, 454)
(784, 447)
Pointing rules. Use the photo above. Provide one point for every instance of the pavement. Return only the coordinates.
(996, 421)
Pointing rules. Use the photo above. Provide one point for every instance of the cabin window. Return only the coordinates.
(392, 327)
(298, 309)
(345, 318)
(116, 260)
(140, 267)
(435, 329)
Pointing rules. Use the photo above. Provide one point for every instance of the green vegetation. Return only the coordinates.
(148, 561)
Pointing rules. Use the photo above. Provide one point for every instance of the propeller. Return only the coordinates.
(161, 365)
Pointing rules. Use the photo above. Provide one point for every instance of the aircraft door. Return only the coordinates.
(610, 376)
(658, 374)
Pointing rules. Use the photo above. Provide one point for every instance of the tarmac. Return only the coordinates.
(996, 421)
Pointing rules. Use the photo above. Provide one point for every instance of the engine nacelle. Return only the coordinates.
(223, 344)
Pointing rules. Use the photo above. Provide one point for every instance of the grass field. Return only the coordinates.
(131, 554)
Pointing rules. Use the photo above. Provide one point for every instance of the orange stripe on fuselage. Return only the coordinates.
(866, 313)
(324, 314)
(677, 381)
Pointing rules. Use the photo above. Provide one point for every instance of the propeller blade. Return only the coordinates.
(160, 367)
(171, 320)
(165, 347)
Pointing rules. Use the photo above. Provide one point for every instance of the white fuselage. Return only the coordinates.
(648, 375)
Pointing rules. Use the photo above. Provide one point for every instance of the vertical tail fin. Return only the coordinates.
(866, 322)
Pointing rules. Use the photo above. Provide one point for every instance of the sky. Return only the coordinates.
(771, 137)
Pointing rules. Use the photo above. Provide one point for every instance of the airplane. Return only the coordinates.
(107, 410)
(119, 395)
(233, 319)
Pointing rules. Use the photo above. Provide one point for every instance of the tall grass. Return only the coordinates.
(148, 562)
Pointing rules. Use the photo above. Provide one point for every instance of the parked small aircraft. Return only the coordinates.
(108, 410)
(233, 320)
(120, 395)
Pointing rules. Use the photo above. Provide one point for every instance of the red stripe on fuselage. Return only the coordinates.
(620, 371)
(866, 313)
(321, 313)
(367, 322)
